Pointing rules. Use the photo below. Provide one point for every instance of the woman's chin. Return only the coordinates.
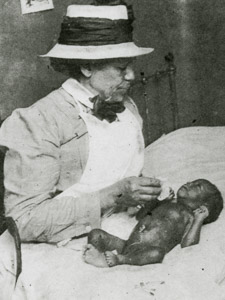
(117, 96)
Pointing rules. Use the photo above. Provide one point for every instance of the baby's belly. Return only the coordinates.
(163, 235)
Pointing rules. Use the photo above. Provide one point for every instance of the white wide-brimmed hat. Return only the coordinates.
(92, 32)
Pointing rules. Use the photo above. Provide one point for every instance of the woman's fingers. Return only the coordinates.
(139, 190)
(147, 181)
(146, 198)
(150, 191)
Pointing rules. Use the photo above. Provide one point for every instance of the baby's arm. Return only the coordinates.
(192, 236)
(147, 208)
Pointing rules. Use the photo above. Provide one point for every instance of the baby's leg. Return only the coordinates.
(104, 241)
(148, 255)
(100, 241)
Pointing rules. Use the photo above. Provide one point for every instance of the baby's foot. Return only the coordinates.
(92, 256)
(111, 258)
(171, 194)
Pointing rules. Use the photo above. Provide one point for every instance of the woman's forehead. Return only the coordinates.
(124, 60)
(118, 62)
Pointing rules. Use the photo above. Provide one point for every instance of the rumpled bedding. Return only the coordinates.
(192, 273)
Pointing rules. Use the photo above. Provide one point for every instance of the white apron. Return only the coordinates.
(116, 151)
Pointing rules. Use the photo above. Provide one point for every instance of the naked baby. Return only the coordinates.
(162, 227)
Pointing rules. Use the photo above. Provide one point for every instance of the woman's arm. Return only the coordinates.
(32, 171)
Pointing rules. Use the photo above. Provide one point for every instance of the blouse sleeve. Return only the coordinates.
(31, 173)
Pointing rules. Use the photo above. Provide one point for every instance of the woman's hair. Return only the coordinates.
(212, 200)
(69, 67)
(72, 67)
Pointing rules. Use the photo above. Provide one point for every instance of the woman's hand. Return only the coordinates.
(138, 190)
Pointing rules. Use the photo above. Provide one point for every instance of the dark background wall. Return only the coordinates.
(193, 30)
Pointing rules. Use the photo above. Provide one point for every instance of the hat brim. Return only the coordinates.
(97, 52)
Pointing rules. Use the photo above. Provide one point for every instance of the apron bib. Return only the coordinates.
(116, 151)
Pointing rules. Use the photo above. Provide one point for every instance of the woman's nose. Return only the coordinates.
(129, 75)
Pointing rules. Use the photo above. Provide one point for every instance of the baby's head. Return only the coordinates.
(201, 192)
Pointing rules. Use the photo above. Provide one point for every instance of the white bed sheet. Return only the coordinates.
(193, 273)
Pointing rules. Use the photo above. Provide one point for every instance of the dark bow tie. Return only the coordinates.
(105, 110)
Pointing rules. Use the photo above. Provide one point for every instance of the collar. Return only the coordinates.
(78, 92)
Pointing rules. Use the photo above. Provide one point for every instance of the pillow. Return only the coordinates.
(188, 154)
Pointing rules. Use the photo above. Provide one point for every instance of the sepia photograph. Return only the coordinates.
(112, 150)
(31, 6)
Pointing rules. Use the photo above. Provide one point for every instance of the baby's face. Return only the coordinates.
(192, 193)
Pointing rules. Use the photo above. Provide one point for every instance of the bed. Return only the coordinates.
(193, 273)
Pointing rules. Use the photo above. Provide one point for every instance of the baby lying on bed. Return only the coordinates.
(169, 223)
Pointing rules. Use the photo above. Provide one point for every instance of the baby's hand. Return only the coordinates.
(201, 213)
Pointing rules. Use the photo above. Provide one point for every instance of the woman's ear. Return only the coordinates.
(86, 70)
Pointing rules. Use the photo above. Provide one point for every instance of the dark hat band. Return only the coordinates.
(95, 31)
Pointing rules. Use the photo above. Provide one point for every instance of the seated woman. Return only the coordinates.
(171, 222)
